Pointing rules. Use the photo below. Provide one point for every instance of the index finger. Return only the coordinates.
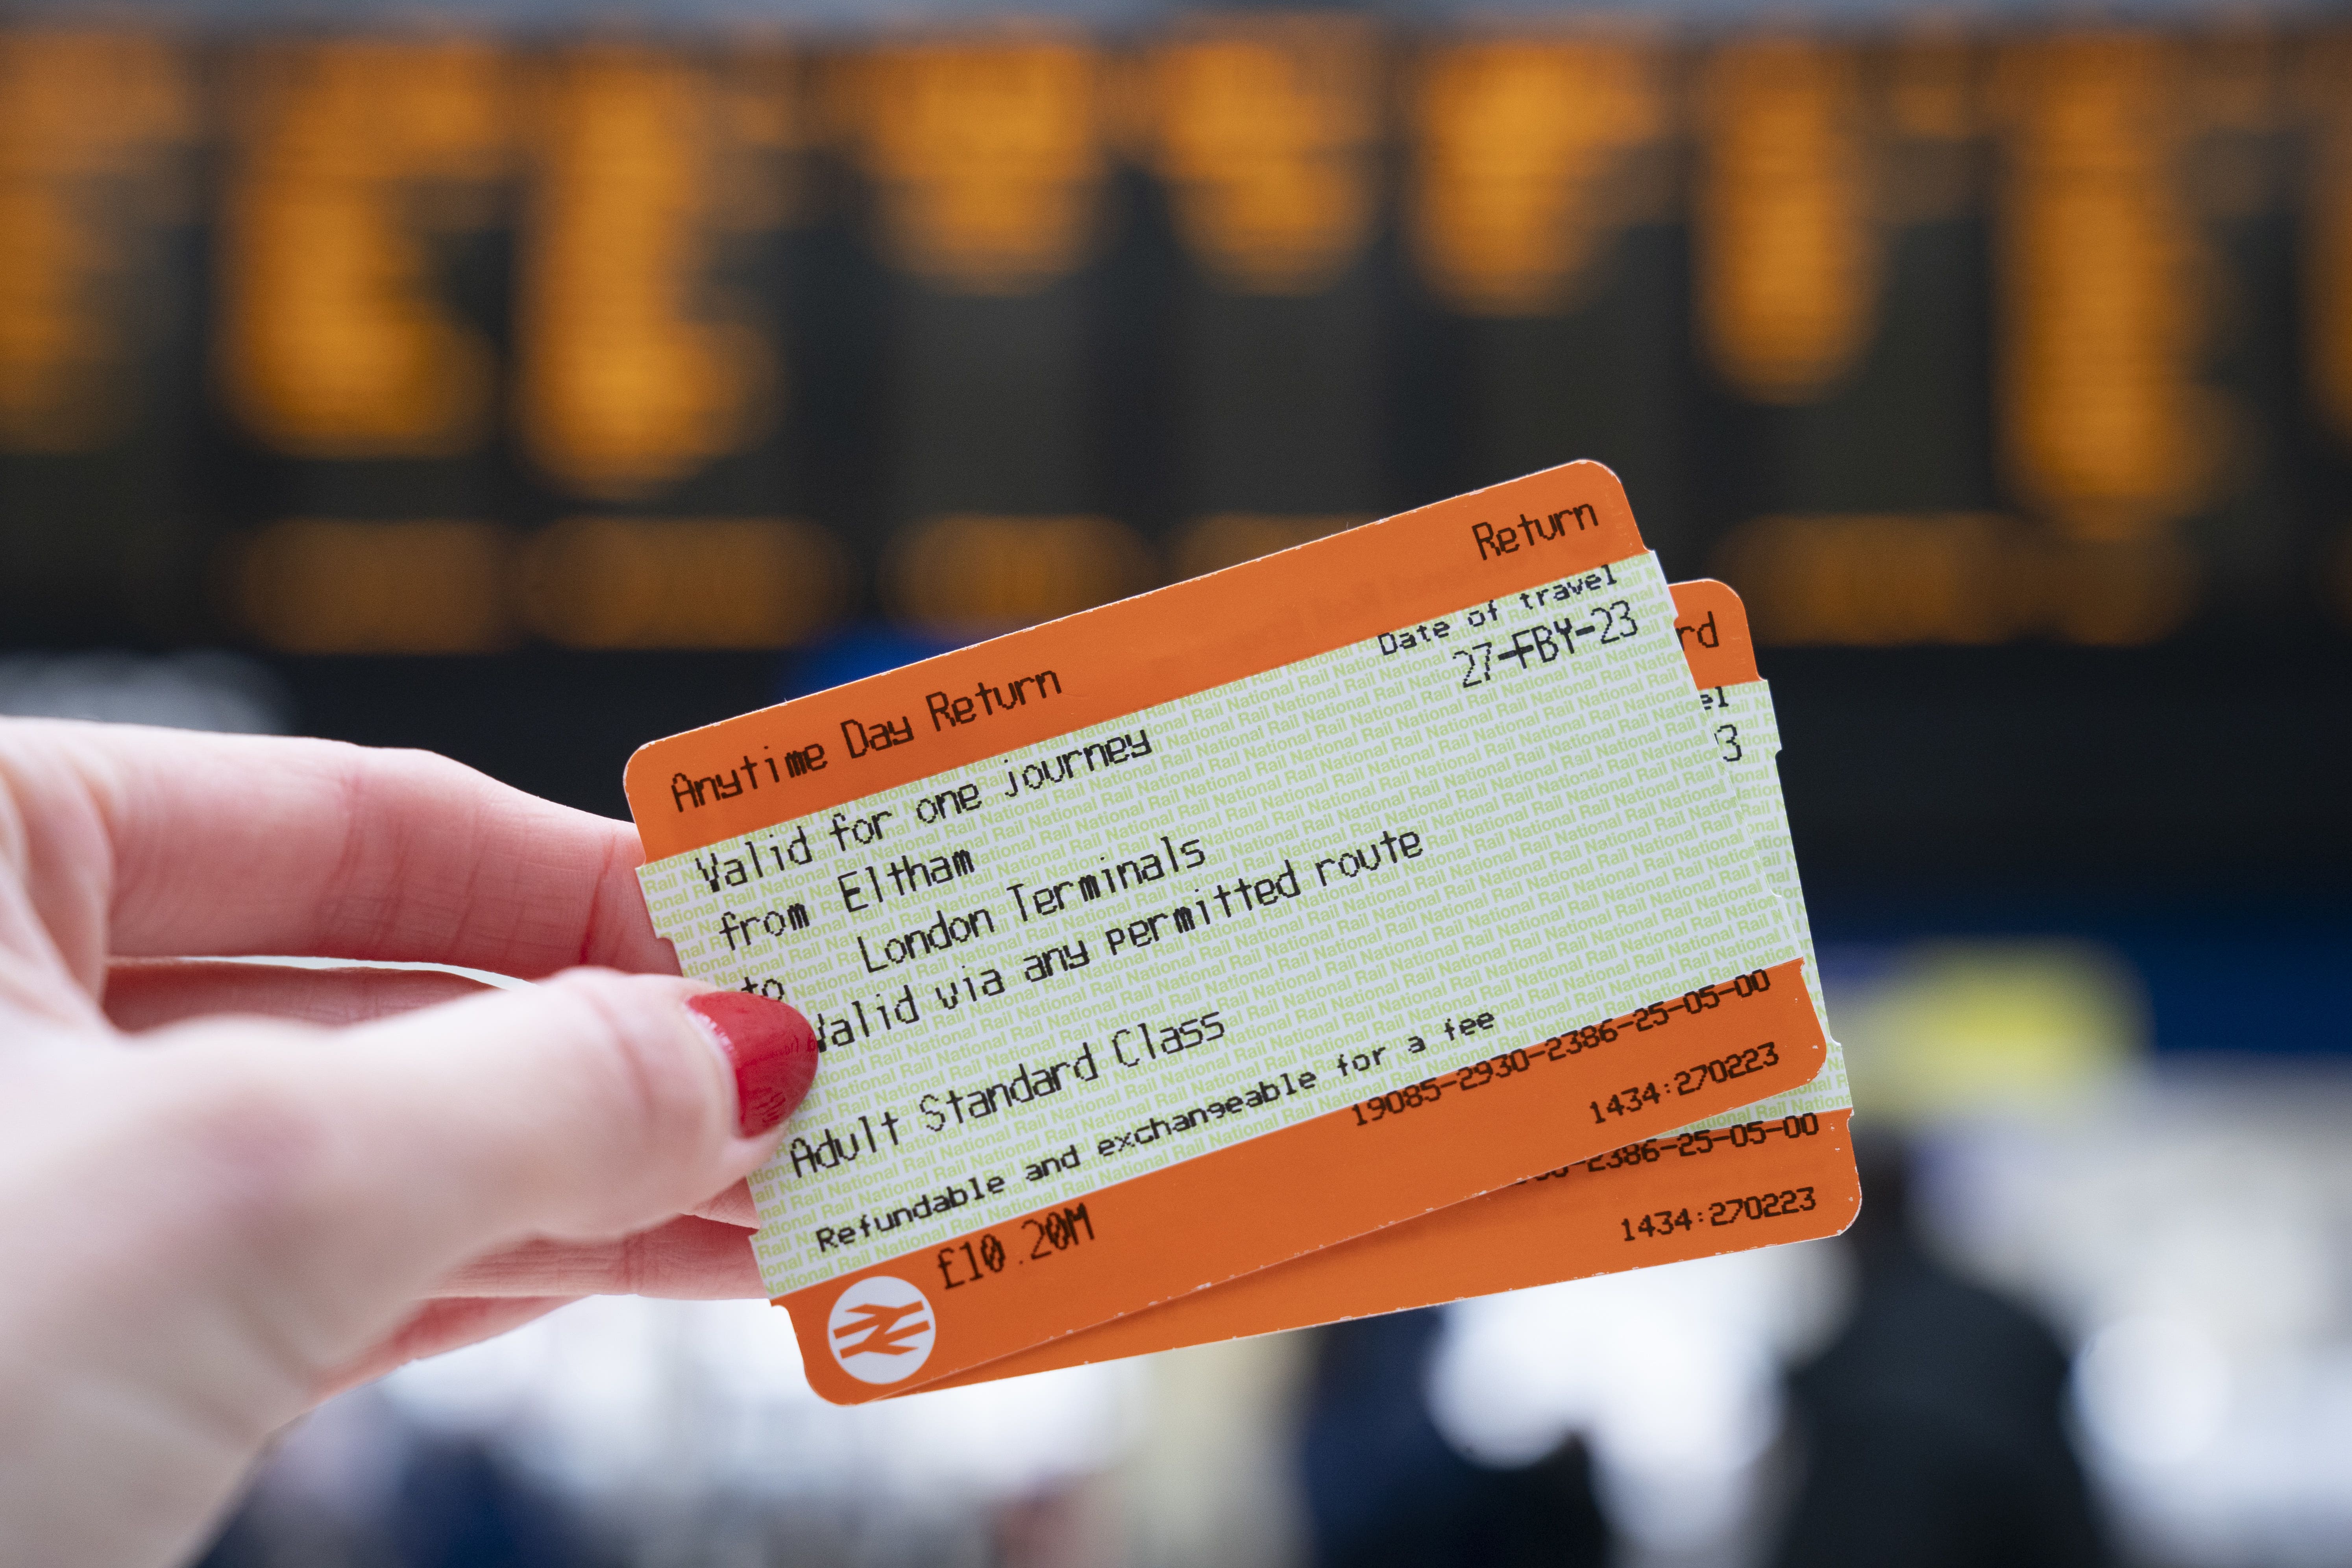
(228, 844)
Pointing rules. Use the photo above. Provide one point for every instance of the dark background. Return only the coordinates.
(2160, 768)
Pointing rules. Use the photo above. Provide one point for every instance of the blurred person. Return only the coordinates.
(1932, 1426)
(229, 1190)
(1384, 1489)
(461, 1505)
(458, 1503)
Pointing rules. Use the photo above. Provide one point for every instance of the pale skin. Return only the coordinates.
(229, 1190)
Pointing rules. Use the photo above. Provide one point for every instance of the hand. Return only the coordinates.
(228, 1190)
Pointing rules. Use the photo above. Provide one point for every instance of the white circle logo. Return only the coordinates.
(881, 1329)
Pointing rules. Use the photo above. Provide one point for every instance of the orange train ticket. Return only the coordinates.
(1146, 946)
(1777, 1172)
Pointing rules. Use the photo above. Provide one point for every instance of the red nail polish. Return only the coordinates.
(773, 1050)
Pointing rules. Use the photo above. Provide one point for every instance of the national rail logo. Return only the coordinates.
(881, 1329)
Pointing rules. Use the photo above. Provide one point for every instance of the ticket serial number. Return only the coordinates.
(1659, 1223)
(1629, 1100)
(1691, 1145)
(1576, 1042)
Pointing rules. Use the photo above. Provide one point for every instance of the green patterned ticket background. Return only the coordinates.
(1747, 736)
(1153, 937)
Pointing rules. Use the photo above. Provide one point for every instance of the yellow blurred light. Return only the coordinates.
(1875, 580)
(321, 585)
(1933, 93)
(631, 371)
(1265, 130)
(2103, 426)
(2328, 235)
(1959, 1028)
(1929, 90)
(1786, 227)
(334, 340)
(969, 572)
(765, 123)
(1225, 539)
(2119, 593)
(986, 154)
(1518, 171)
(2232, 156)
(87, 122)
(2237, 81)
(1893, 579)
(680, 582)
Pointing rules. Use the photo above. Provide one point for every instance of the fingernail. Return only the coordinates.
(772, 1048)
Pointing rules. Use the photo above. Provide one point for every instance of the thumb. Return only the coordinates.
(382, 1157)
(291, 1192)
(587, 1106)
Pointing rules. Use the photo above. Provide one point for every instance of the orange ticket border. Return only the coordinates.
(705, 786)
(1563, 1224)
(1711, 624)
(1540, 1231)
(714, 783)
(1297, 1190)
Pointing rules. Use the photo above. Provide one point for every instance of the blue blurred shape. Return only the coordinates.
(867, 647)
(2258, 989)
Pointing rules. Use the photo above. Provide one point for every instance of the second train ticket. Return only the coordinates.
(1112, 928)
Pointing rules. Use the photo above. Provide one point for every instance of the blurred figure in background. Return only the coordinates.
(1383, 1487)
(457, 1502)
(1932, 1425)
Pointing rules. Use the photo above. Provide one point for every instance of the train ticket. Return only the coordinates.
(1123, 933)
(1776, 1172)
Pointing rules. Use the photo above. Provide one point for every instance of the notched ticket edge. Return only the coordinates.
(1718, 648)
(1483, 1245)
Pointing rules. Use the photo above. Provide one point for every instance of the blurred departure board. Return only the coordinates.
(366, 352)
